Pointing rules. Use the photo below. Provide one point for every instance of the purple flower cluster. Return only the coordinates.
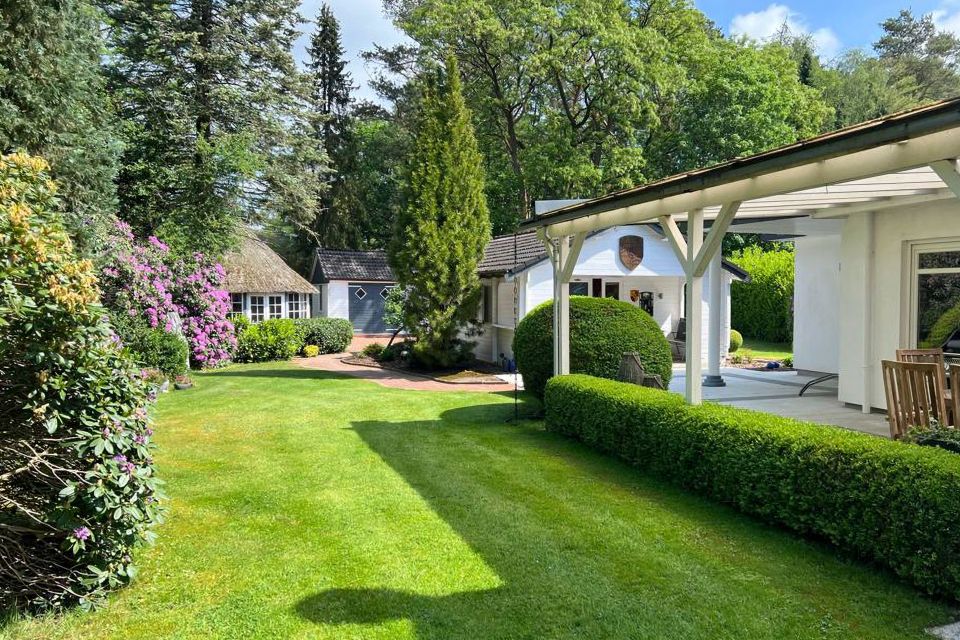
(82, 533)
(147, 281)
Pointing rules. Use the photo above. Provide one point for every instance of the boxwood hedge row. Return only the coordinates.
(893, 503)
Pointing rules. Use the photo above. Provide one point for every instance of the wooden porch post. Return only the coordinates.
(694, 312)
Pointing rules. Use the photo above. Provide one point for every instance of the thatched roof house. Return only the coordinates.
(262, 285)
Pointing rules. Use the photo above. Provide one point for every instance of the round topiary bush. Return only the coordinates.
(601, 331)
(736, 341)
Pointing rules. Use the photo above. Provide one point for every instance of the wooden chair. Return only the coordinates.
(631, 370)
(678, 340)
(915, 395)
(932, 356)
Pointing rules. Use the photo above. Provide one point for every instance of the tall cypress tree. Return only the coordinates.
(339, 220)
(53, 104)
(443, 229)
(211, 101)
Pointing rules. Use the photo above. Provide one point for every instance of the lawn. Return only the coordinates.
(309, 506)
(766, 350)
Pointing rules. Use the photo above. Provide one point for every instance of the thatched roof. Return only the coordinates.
(256, 268)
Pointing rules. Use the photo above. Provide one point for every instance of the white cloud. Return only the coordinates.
(763, 25)
(947, 18)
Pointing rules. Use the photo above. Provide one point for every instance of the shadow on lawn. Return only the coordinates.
(563, 573)
(298, 373)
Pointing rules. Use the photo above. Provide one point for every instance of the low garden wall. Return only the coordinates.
(893, 503)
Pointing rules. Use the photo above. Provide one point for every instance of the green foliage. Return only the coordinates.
(788, 362)
(885, 501)
(943, 328)
(311, 350)
(166, 352)
(78, 492)
(53, 104)
(151, 348)
(441, 234)
(601, 331)
(736, 340)
(920, 55)
(373, 350)
(762, 308)
(215, 119)
(578, 99)
(935, 435)
(274, 339)
(330, 335)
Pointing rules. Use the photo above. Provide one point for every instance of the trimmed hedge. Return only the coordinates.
(166, 352)
(331, 335)
(762, 307)
(736, 341)
(893, 503)
(601, 331)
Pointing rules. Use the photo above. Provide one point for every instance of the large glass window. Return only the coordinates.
(276, 306)
(256, 308)
(579, 289)
(937, 287)
(611, 290)
(296, 305)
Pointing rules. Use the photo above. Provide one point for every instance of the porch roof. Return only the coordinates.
(904, 158)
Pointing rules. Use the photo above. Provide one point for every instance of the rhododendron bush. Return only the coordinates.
(144, 281)
(78, 491)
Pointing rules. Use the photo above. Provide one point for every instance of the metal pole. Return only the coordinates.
(715, 339)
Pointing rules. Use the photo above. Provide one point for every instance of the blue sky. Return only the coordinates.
(835, 24)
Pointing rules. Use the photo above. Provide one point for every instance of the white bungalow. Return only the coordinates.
(261, 285)
(632, 263)
(877, 224)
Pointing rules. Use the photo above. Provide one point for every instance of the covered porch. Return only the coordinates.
(778, 393)
(879, 196)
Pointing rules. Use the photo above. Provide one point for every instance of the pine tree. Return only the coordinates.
(53, 104)
(441, 233)
(213, 106)
(339, 221)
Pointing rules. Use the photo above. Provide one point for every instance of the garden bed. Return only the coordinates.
(477, 373)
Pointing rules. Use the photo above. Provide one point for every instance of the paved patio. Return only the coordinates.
(776, 392)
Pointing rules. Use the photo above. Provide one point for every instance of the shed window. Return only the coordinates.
(360, 293)
(276, 306)
(256, 308)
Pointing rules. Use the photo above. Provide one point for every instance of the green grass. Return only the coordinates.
(309, 506)
(766, 350)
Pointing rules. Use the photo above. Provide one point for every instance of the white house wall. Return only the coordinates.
(895, 231)
(659, 272)
(816, 296)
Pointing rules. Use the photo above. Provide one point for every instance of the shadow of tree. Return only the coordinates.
(577, 543)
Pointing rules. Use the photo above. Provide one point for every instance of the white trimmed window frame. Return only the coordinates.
(914, 272)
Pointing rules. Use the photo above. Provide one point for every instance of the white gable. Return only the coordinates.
(600, 255)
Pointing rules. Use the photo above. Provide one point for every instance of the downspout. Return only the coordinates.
(868, 270)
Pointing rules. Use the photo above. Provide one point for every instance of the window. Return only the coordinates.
(360, 293)
(579, 289)
(236, 302)
(296, 305)
(276, 306)
(936, 298)
(611, 290)
(256, 308)
(486, 304)
(384, 292)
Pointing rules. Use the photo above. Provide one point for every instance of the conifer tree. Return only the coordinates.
(213, 106)
(53, 104)
(339, 220)
(443, 229)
